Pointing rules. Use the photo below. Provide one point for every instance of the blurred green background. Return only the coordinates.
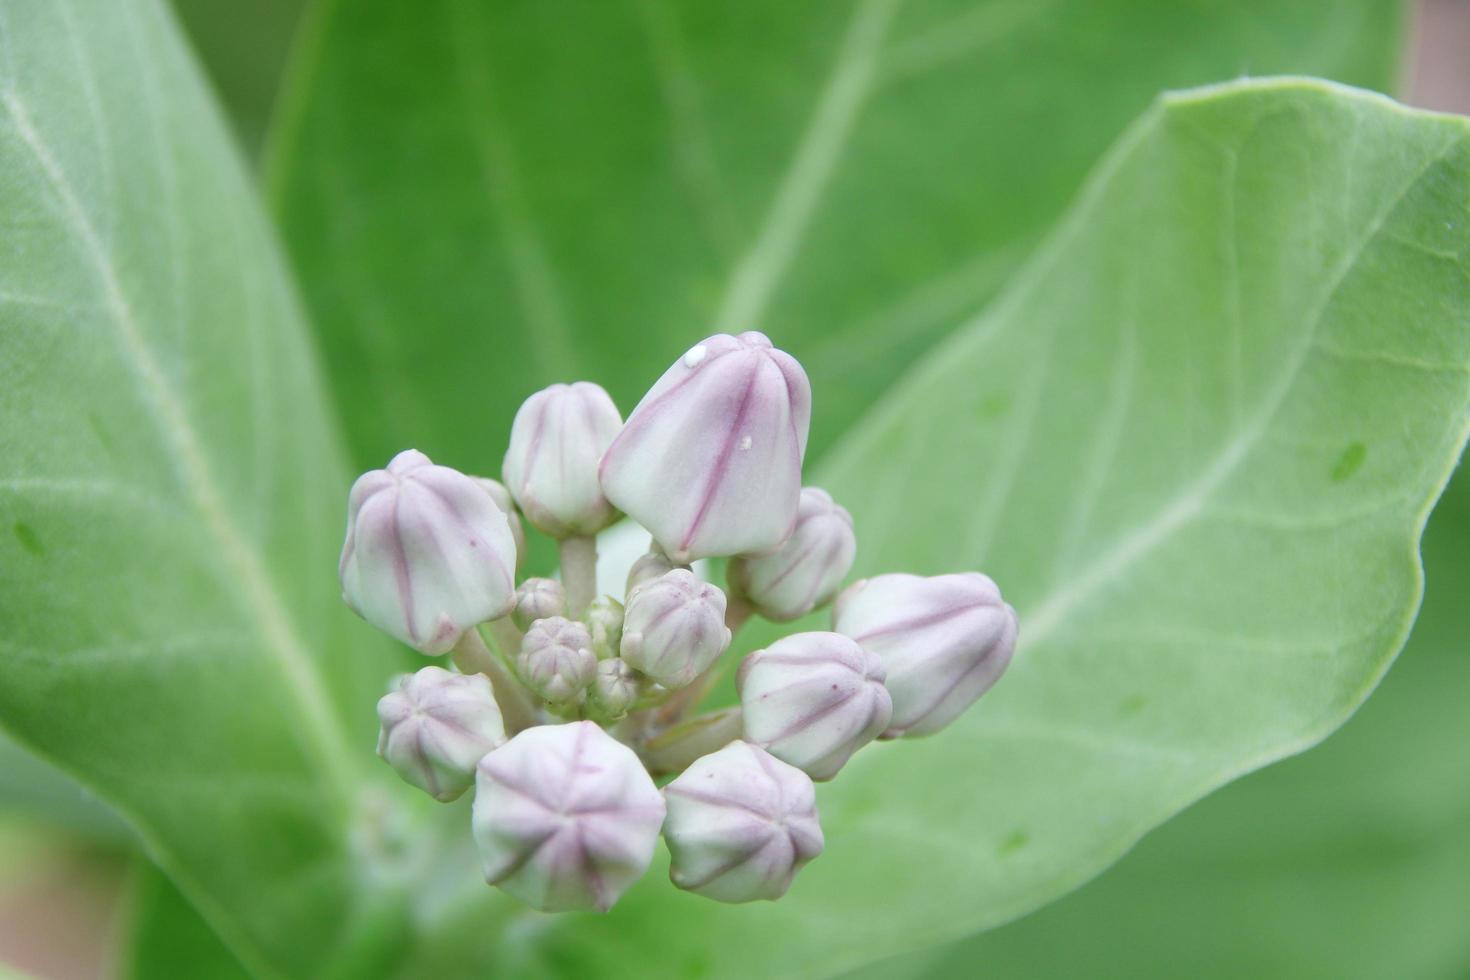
(1352, 860)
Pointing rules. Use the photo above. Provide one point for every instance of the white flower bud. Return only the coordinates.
(943, 641)
(807, 570)
(565, 817)
(605, 623)
(674, 628)
(556, 442)
(710, 460)
(428, 554)
(507, 506)
(653, 565)
(813, 699)
(616, 687)
(436, 727)
(539, 598)
(556, 659)
(741, 823)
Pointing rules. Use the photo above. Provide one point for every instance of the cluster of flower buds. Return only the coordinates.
(567, 705)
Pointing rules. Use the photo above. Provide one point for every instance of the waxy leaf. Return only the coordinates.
(485, 198)
(171, 632)
(1196, 443)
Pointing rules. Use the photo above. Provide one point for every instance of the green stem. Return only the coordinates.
(675, 749)
(472, 656)
(578, 572)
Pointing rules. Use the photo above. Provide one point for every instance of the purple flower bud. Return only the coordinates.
(741, 823)
(556, 659)
(556, 442)
(539, 598)
(605, 623)
(565, 817)
(436, 727)
(807, 570)
(710, 460)
(813, 699)
(674, 628)
(943, 640)
(428, 553)
(648, 567)
(507, 506)
(616, 688)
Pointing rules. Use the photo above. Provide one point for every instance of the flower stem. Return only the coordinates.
(472, 656)
(579, 572)
(686, 699)
(675, 749)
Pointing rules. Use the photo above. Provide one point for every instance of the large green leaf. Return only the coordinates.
(1352, 861)
(171, 488)
(485, 198)
(1196, 442)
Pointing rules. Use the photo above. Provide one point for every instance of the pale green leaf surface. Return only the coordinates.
(1351, 862)
(1196, 443)
(482, 199)
(171, 487)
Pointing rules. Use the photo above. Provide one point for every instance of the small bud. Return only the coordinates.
(507, 506)
(807, 570)
(539, 598)
(565, 817)
(556, 441)
(428, 554)
(436, 727)
(943, 641)
(741, 823)
(813, 699)
(675, 628)
(616, 688)
(653, 565)
(556, 659)
(710, 460)
(605, 623)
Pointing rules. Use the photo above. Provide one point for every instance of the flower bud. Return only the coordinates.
(943, 641)
(565, 817)
(556, 441)
(653, 565)
(428, 553)
(710, 460)
(741, 823)
(813, 699)
(605, 623)
(507, 506)
(616, 687)
(807, 570)
(539, 598)
(674, 628)
(556, 659)
(436, 727)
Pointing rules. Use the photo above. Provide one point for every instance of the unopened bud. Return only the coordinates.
(556, 659)
(428, 553)
(436, 726)
(813, 699)
(539, 598)
(651, 566)
(556, 443)
(565, 817)
(616, 688)
(741, 823)
(507, 506)
(807, 570)
(605, 623)
(710, 460)
(943, 641)
(674, 628)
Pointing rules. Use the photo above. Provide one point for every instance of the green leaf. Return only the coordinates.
(166, 937)
(1144, 441)
(170, 629)
(1349, 863)
(485, 198)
